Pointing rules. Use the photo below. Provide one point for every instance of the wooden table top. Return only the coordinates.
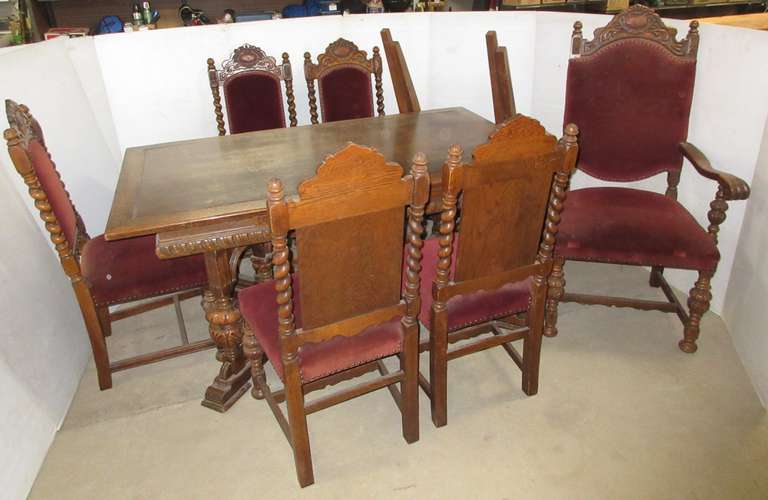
(177, 185)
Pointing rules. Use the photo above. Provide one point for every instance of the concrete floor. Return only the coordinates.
(621, 414)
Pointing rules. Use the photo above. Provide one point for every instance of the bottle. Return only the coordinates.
(136, 15)
(146, 12)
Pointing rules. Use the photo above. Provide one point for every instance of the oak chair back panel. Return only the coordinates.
(349, 236)
(505, 195)
(350, 266)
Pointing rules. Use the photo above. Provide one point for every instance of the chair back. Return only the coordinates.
(501, 79)
(343, 73)
(407, 100)
(26, 147)
(348, 223)
(630, 91)
(251, 83)
(511, 198)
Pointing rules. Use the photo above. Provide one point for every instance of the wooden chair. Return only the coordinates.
(501, 80)
(251, 80)
(345, 310)
(407, 100)
(628, 137)
(343, 75)
(103, 273)
(496, 266)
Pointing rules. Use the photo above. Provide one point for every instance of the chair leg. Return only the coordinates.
(180, 320)
(95, 334)
(438, 368)
(556, 283)
(532, 348)
(297, 421)
(698, 304)
(104, 320)
(409, 387)
(655, 279)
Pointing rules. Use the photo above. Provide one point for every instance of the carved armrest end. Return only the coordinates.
(733, 188)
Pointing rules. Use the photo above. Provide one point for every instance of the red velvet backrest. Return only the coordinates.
(54, 189)
(254, 102)
(631, 100)
(345, 93)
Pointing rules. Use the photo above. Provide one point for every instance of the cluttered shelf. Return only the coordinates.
(80, 17)
(681, 9)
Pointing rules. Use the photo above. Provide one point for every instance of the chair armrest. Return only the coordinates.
(733, 187)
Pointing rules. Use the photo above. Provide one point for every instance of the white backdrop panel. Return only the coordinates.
(46, 81)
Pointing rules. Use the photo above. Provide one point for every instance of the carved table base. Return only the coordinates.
(222, 245)
(224, 392)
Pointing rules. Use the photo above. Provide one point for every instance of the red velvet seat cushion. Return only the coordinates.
(345, 93)
(54, 190)
(254, 102)
(631, 101)
(126, 270)
(259, 308)
(630, 226)
(474, 308)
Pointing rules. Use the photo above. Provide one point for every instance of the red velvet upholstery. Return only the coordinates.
(54, 190)
(345, 93)
(475, 308)
(631, 101)
(630, 226)
(254, 102)
(258, 305)
(126, 270)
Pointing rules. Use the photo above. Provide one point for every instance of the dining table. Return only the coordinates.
(208, 196)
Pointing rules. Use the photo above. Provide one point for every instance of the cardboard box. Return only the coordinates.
(70, 32)
(521, 3)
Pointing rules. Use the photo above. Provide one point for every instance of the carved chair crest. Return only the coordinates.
(356, 165)
(23, 124)
(247, 58)
(342, 52)
(636, 22)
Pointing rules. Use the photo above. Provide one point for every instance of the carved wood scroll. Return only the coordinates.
(636, 22)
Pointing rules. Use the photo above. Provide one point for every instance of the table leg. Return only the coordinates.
(225, 326)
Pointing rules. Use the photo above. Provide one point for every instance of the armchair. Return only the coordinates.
(630, 90)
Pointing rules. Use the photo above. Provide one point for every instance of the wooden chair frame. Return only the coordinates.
(407, 100)
(640, 22)
(250, 59)
(505, 157)
(339, 54)
(326, 198)
(98, 319)
(501, 80)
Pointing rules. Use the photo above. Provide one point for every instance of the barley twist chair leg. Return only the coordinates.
(698, 303)
(556, 284)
